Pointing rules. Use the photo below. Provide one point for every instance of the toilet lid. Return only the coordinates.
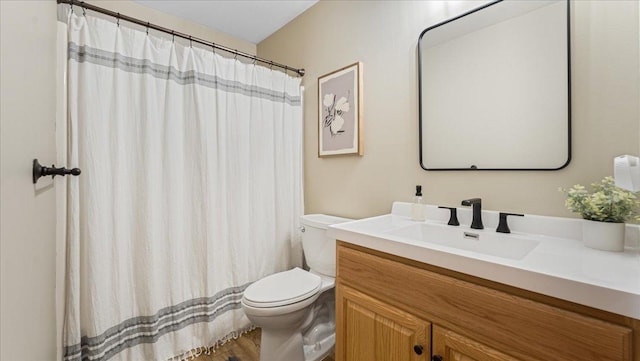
(283, 288)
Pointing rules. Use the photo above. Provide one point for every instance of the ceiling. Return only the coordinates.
(250, 20)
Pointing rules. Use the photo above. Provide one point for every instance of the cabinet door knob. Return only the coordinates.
(436, 358)
(418, 349)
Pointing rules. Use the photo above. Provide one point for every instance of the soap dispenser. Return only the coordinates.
(417, 208)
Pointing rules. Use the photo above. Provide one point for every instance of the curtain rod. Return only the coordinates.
(148, 25)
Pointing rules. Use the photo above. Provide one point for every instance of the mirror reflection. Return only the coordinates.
(494, 88)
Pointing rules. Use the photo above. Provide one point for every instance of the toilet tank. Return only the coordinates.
(320, 250)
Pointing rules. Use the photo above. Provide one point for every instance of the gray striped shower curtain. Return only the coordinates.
(190, 190)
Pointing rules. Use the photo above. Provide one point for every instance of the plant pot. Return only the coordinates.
(605, 236)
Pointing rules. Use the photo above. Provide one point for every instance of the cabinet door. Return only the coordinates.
(371, 330)
(451, 346)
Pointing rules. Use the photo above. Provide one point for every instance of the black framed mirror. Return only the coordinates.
(494, 88)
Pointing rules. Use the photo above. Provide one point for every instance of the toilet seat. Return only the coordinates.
(283, 288)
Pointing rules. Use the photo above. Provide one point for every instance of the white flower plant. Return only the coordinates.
(607, 203)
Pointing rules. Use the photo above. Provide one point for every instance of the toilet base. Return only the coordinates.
(320, 350)
(311, 340)
(319, 336)
(281, 345)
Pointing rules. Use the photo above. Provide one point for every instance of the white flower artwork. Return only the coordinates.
(340, 112)
(334, 120)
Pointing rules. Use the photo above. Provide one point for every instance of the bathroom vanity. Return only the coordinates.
(400, 296)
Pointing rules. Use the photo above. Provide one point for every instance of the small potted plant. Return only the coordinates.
(605, 210)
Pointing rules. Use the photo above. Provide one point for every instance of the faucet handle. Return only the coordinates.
(471, 201)
(503, 227)
(453, 218)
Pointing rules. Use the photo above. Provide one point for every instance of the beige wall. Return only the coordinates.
(383, 35)
(27, 213)
(27, 130)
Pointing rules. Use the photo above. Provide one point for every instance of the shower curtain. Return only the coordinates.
(190, 190)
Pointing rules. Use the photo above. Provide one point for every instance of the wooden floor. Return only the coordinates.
(245, 348)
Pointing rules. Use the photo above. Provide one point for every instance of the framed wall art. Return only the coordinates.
(340, 112)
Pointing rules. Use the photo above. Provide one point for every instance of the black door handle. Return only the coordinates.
(418, 349)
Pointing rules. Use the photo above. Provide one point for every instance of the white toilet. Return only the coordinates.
(296, 308)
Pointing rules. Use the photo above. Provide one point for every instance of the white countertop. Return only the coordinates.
(560, 266)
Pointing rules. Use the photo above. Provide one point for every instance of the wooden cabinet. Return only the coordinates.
(375, 331)
(386, 304)
(452, 346)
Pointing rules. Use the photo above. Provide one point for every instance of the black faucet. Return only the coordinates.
(476, 223)
(503, 227)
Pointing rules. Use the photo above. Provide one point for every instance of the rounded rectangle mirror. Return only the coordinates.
(494, 88)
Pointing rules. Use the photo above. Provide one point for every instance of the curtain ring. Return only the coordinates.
(254, 61)
(235, 56)
(271, 65)
(118, 20)
(173, 36)
(84, 12)
(190, 42)
(72, 7)
(213, 47)
(147, 28)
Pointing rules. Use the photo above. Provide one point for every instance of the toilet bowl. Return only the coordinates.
(296, 308)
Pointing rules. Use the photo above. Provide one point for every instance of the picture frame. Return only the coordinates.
(340, 112)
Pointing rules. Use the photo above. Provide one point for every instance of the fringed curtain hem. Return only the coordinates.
(208, 350)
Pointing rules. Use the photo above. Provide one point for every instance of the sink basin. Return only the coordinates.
(487, 242)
